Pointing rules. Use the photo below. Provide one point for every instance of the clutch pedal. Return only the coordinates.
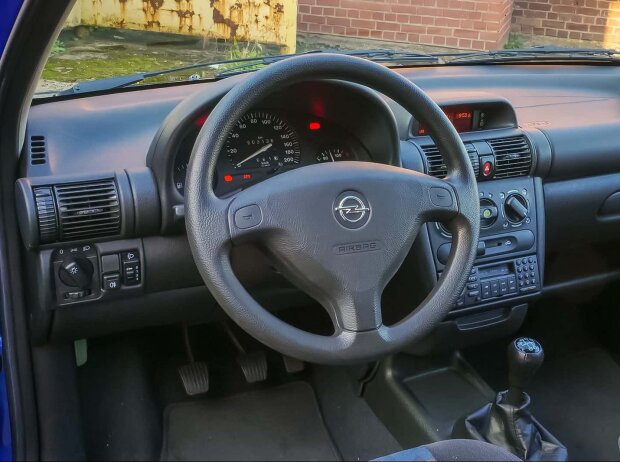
(195, 375)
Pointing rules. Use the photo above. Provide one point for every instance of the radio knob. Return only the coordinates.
(516, 208)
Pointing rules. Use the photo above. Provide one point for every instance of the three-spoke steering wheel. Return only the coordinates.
(338, 231)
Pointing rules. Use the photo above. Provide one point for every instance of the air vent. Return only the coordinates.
(46, 214)
(435, 165)
(513, 156)
(87, 210)
(38, 150)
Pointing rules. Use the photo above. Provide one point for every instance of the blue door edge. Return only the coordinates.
(6, 447)
(9, 9)
(8, 13)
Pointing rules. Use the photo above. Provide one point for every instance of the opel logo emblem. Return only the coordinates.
(352, 210)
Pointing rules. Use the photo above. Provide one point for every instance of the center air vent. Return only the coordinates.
(435, 165)
(87, 210)
(513, 156)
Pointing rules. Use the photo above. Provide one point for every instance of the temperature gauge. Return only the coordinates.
(333, 155)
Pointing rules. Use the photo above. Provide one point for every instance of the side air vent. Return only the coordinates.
(87, 210)
(46, 214)
(513, 156)
(38, 150)
(435, 165)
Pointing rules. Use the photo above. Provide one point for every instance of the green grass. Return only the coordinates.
(114, 62)
(73, 70)
(514, 42)
(58, 47)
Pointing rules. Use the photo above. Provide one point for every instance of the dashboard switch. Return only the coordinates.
(112, 282)
(132, 271)
(109, 264)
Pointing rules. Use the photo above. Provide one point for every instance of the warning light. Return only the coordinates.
(247, 176)
(487, 168)
(228, 178)
(314, 125)
(200, 121)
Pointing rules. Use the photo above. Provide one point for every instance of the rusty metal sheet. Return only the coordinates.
(262, 21)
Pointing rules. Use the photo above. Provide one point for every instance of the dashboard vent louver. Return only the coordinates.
(46, 214)
(435, 165)
(513, 156)
(38, 150)
(87, 210)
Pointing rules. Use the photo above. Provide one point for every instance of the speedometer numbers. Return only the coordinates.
(262, 141)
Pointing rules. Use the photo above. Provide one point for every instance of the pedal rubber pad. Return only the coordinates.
(195, 378)
(253, 365)
(293, 365)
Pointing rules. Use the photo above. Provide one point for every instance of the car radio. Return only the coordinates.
(519, 276)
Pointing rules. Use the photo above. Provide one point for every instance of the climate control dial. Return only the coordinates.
(516, 208)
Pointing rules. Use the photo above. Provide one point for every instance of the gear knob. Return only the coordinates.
(525, 356)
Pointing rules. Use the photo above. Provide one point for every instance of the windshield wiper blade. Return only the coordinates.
(242, 65)
(538, 52)
(376, 55)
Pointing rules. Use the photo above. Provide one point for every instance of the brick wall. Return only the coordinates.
(591, 20)
(467, 24)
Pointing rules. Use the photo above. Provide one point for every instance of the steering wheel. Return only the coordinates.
(338, 231)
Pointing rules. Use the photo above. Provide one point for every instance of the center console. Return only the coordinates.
(509, 267)
(507, 263)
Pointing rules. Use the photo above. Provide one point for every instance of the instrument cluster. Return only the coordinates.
(265, 143)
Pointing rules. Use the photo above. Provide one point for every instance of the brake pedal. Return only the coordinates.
(293, 365)
(253, 365)
(195, 375)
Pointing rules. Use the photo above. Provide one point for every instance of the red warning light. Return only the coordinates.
(228, 178)
(314, 125)
(200, 121)
(247, 176)
(487, 168)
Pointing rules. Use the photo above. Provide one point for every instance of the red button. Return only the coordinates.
(487, 168)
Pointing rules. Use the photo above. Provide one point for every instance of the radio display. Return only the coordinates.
(461, 118)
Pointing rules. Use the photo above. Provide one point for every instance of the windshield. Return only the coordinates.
(111, 38)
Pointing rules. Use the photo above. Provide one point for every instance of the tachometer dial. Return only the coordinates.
(262, 140)
(333, 155)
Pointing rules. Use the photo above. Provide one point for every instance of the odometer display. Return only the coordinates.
(264, 141)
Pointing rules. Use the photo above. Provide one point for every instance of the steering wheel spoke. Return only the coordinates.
(357, 310)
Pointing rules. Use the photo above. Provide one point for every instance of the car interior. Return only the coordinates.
(324, 259)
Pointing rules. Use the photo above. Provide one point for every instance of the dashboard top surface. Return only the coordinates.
(568, 103)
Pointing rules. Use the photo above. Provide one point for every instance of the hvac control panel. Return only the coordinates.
(93, 271)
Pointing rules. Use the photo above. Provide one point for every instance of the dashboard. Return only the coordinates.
(268, 142)
(542, 171)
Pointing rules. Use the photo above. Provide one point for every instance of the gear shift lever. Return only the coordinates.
(507, 421)
(525, 356)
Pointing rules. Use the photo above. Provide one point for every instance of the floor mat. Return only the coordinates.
(357, 431)
(282, 423)
(577, 397)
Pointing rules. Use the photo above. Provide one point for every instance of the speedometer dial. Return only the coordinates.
(262, 140)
